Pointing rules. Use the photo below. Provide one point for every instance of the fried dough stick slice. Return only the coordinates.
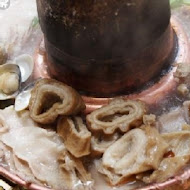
(76, 175)
(168, 168)
(179, 142)
(50, 98)
(119, 114)
(100, 142)
(75, 135)
(179, 145)
(137, 151)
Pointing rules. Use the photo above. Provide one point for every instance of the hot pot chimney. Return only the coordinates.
(106, 47)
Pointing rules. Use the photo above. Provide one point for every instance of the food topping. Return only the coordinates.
(179, 142)
(149, 120)
(118, 115)
(175, 120)
(74, 171)
(75, 135)
(9, 83)
(179, 145)
(29, 151)
(183, 71)
(10, 77)
(167, 169)
(50, 98)
(126, 141)
(183, 89)
(100, 142)
(137, 151)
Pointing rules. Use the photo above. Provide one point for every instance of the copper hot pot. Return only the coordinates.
(106, 48)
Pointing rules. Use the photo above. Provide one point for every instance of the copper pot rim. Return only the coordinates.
(167, 82)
